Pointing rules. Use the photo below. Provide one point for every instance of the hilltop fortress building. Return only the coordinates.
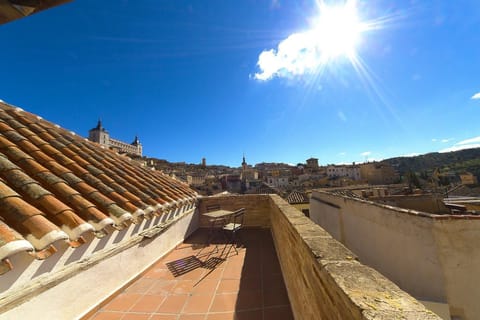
(100, 135)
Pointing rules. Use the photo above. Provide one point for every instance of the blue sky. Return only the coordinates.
(217, 79)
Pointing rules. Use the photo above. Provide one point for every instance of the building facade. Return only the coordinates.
(349, 171)
(378, 173)
(100, 135)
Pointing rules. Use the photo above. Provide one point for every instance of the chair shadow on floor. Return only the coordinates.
(207, 257)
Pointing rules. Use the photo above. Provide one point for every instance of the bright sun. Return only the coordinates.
(334, 34)
(337, 29)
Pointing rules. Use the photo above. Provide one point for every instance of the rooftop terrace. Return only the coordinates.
(323, 279)
(201, 281)
(78, 218)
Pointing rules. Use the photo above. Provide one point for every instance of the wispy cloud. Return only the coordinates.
(464, 144)
(274, 4)
(476, 96)
(469, 141)
(444, 140)
(342, 116)
(366, 153)
(342, 154)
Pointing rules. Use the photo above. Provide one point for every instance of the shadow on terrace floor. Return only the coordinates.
(200, 281)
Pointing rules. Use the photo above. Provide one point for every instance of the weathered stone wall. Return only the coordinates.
(324, 279)
(257, 208)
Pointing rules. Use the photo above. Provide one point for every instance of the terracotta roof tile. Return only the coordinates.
(24, 131)
(11, 242)
(56, 186)
(41, 157)
(27, 146)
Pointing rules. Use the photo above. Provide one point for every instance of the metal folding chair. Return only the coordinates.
(234, 226)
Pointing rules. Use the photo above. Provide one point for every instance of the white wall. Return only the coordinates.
(77, 295)
(434, 258)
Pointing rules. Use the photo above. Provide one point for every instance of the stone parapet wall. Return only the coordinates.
(324, 279)
(257, 208)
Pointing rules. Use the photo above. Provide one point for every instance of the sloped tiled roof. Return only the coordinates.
(55, 185)
(15, 9)
(297, 197)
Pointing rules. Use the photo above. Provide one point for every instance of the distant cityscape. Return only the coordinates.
(296, 182)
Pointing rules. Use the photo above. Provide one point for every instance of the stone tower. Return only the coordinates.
(99, 135)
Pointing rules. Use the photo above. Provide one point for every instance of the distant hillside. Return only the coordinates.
(456, 161)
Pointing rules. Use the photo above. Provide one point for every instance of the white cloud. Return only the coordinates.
(342, 154)
(460, 147)
(464, 144)
(342, 116)
(294, 56)
(334, 32)
(476, 96)
(442, 140)
(469, 141)
(366, 153)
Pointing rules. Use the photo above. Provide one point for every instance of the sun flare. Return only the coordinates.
(337, 29)
(335, 34)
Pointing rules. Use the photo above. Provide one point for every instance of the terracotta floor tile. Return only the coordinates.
(107, 315)
(228, 285)
(249, 299)
(249, 315)
(279, 313)
(147, 303)
(159, 273)
(198, 304)
(253, 283)
(122, 302)
(275, 297)
(164, 317)
(136, 316)
(192, 317)
(176, 255)
(140, 286)
(224, 285)
(252, 271)
(183, 287)
(195, 274)
(173, 304)
(162, 287)
(214, 274)
(232, 273)
(221, 316)
(273, 281)
(205, 286)
(224, 302)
